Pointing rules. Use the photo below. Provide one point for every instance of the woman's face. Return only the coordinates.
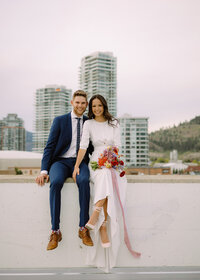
(97, 108)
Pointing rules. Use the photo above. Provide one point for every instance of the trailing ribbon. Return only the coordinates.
(126, 237)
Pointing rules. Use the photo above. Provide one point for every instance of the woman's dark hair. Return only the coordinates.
(106, 114)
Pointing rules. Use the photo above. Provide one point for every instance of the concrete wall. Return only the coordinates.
(163, 220)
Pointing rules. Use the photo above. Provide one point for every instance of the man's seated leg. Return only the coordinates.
(58, 174)
(84, 199)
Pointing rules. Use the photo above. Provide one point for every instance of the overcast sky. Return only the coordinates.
(156, 42)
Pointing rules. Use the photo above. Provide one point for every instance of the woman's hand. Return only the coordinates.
(81, 154)
(76, 172)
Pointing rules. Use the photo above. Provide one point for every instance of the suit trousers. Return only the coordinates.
(59, 172)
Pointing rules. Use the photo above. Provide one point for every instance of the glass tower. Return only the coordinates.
(50, 102)
(134, 140)
(98, 76)
(12, 133)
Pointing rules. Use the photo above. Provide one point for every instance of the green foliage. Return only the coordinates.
(18, 171)
(184, 137)
(162, 160)
(94, 165)
(176, 171)
(196, 120)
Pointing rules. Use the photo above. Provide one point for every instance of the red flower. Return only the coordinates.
(114, 163)
(122, 174)
(121, 162)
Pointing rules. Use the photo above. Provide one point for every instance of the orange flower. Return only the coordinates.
(102, 161)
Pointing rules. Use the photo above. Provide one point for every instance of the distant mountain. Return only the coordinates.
(29, 141)
(185, 137)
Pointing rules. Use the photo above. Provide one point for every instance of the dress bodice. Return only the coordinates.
(101, 134)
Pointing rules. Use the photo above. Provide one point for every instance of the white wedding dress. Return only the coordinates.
(103, 135)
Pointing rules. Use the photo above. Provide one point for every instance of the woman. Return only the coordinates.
(103, 130)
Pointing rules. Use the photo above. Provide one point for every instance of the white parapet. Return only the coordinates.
(163, 220)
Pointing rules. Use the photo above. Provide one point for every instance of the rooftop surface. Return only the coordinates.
(129, 273)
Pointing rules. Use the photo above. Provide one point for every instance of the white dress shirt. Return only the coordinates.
(72, 149)
(71, 152)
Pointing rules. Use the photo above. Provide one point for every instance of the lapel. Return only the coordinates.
(69, 126)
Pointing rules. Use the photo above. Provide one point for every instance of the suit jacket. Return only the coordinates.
(59, 141)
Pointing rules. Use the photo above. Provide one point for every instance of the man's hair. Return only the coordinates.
(79, 93)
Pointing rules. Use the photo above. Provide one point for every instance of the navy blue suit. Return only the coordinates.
(60, 169)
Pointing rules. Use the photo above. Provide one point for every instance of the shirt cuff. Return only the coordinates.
(83, 147)
(44, 172)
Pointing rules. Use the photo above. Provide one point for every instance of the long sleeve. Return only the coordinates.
(51, 145)
(117, 136)
(85, 139)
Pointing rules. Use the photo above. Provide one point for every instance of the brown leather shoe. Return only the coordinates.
(54, 239)
(85, 236)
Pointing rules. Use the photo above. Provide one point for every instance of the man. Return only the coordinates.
(58, 161)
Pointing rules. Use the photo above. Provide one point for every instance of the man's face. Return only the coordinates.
(79, 104)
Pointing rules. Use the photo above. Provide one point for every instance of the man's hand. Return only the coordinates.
(40, 180)
(76, 172)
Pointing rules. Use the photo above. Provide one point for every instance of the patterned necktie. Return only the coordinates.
(78, 135)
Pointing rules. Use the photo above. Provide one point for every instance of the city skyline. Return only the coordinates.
(156, 44)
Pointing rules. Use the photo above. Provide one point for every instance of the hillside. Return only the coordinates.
(185, 138)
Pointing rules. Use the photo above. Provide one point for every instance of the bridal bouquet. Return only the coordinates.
(110, 159)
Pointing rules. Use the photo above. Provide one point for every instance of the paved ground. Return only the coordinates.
(173, 273)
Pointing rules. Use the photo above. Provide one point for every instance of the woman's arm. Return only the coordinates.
(81, 154)
(83, 148)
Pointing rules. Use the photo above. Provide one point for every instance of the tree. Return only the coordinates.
(18, 171)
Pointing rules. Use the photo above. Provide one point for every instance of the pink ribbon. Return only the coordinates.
(126, 237)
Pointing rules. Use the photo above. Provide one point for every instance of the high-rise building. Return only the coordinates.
(174, 156)
(12, 133)
(98, 76)
(134, 140)
(50, 102)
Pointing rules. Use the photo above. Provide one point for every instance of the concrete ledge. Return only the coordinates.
(130, 179)
(163, 224)
(163, 178)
